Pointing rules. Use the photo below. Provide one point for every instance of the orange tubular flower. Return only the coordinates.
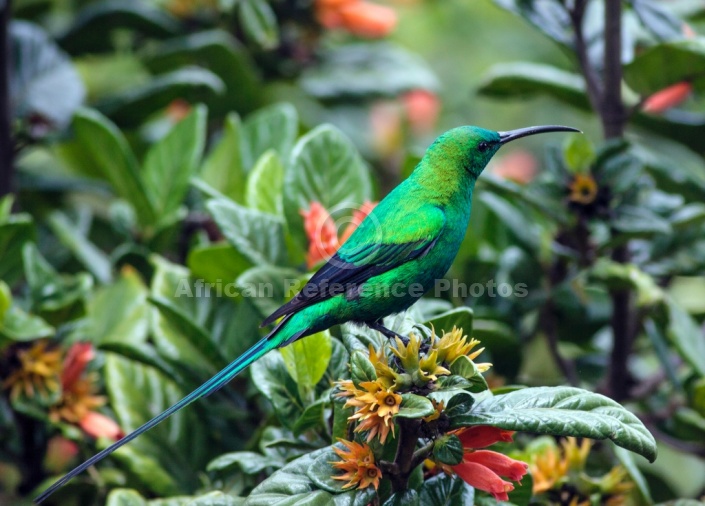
(359, 465)
(368, 20)
(422, 110)
(484, 469)
(78, 400)
(321, 232)
(668, 97)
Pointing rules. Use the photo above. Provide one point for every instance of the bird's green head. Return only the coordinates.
(465, 151)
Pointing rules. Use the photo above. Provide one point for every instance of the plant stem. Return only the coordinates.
(592, 84)
(6, 144)
(403, 461)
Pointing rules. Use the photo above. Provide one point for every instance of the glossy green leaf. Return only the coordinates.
(218, 51)
(620, 276)
(259, 23)
(223, 168)
(460, 317)
(518, 222)
(307, 359)
(292, 486)
(249, 462)
(15, 231)
(579, 153)
(130, 108)
(367, 69)
(406, 497)
(166, 458)
(639, 221)
(265, 185)
(687, 336)
(444, 490)
(114, 159)
(658, 19)
(312, 417)
(119, 312)
(50, 291)
(44, 83)
(93, 25)
(92, 258)
(218, 262)
(170, 163)
(267, 287)
(563, 411)
(19, 325)
(665, 64)
(525, 79)
(361, 368)
(130, 497)
(415, 406)
(448, 449)
(549, 16)
(273, 127)
(627, 460)
(256, 235)
(270, 376)
(326, 168)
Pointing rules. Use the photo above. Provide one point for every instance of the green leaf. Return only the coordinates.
(218, 51)
(620, 276)
(415, 406)
(444, 490)
(119, 312)
(627, 460)
(249, 462)
(114, 159)
(170, 163)
(5, 300)
(364, 70)
(44, 83)
(326, 168)
(639, 222)
(687, 336)
(549, 16)
(658, 19)
(15, 231)
(408, 497)
(256, 235)
(268, 287)
(129, 497)
(293, 486)
(563, 411)
(312, 417)
(307, 359)
(270, 377)
(460, 317)
(579, 153)
(218, 262)
(665, 64)
(259, 23)
(524, 79)
(223, 168)
(92, 26)
(85, 251)
(459, 405)
(18, 325)
(50, 291)
(273, 127)
(448, 449)
(265, 185)
(165, 459)
(361, 368)
(518, 222)
(131, 107)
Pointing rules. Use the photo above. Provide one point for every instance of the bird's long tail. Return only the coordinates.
(263, 346)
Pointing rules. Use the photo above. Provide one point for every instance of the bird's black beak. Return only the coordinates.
(511, 135)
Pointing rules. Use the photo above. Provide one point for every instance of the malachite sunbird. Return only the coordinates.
(408, 241)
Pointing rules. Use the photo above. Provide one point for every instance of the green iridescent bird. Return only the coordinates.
(408, 241)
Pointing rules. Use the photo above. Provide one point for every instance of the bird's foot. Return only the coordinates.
(390, 334)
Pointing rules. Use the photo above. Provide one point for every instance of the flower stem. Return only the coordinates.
(404, 459)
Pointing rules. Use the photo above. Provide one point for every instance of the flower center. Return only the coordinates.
(390, 400)
(372, 472)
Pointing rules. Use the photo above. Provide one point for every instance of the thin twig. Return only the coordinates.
(592, 84)
(6, 147)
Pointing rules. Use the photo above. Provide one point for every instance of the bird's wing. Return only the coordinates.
(364, 256)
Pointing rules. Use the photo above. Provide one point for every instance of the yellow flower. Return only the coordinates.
(438, 406)
(430, 368)
(38, 372)
(575, 455)
(408, 354)
(547, 469)
(616, 485)
(375, 406)
(454, 344)
(583, 189)
(358, 462)
(380, 362)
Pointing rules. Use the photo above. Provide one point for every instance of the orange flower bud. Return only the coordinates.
(499, 463)
(668, 97)
(518, 166)
(483, 478)
(75, 363)
(98, 425)
(482, 436)
(60, 452)
(422, 110)
(368, 20)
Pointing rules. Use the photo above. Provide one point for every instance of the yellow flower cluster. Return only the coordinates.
(38, 372)
(375, 406)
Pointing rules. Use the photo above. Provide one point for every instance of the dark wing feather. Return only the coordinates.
(340, 274)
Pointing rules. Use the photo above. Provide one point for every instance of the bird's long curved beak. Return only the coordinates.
(511, 135)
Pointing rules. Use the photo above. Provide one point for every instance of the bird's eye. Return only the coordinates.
(483, 146)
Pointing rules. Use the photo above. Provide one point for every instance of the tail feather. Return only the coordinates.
(259, 349)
